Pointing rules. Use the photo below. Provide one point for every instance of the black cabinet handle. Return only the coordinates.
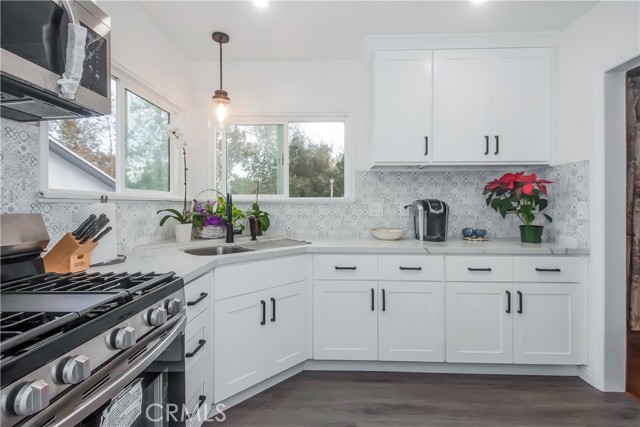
(497, 145)
(384, 300)
(195, 351)
(411, 268)
(552, 270)
(478, 269)
(273, 309)
(426, 145)
(519, 302)
(264, 312)
(202, 296)
(508, 302)
(345, 268)
(372, 297)
(201, 401)
(486, 146)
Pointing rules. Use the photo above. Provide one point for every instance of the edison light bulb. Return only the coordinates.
(221, 112)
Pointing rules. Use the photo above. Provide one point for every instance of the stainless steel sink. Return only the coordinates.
(216, 250)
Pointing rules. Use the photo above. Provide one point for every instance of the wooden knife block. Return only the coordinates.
(69, 256)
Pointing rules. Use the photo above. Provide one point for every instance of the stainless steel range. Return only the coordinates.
(90, 349)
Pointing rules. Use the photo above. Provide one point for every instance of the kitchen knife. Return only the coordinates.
(87, 231)
(84, 225)
(101, 235)
(94, 230)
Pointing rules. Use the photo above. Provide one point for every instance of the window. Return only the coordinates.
(289, 158)
(126, 152)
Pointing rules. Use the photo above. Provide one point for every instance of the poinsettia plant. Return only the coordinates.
(519, 194)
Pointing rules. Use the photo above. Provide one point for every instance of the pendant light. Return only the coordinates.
(221, 98)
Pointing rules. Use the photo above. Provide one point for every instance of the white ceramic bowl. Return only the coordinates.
(388, 233)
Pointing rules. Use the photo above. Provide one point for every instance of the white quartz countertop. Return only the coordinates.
(169, 256)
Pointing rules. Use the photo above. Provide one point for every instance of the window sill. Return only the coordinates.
(267, 200)
(53, 196)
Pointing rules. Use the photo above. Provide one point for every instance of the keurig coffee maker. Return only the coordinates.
(430, 219)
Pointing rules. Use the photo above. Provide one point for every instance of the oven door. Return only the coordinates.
(130, 390)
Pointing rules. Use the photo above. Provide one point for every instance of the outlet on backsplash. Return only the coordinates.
(376, 209)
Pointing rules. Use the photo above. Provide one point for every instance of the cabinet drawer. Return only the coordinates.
(411, 267)
(256, 276)
(345, 267)
(197, 339)
(548, 269)
(198, 393)
(198, 295)
(478, 269)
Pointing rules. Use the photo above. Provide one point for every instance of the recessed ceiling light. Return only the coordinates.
(261, 3)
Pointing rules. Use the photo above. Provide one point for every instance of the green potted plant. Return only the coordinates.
(184, 218)
(522, 195)
(209, 218)
(258, 219)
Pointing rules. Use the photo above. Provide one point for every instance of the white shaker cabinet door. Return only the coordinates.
(521, 105)
(345, 320)
(461, 105)
(411, 321)
(240, 341)
(549, 324)
(402, 106)
(287, 327)
(479, 322)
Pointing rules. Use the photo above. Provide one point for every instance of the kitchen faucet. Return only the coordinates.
(228, 214)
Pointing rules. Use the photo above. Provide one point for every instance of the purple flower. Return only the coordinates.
(212, 220)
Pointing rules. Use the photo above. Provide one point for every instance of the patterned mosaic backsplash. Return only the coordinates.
(137, 221)
(461, 190)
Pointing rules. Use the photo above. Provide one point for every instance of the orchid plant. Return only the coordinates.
(179, 140)
(212, 213)
(519, 194)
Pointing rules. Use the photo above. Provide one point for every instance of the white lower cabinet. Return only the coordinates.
(479, 324)
(411, 321)
(345, 320)
(257, 336)
(548, 324)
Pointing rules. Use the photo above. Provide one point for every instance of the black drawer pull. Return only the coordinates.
(478, 269)
(486, 141)
(552, 270)
(203, 295)
(384, 300)
(372, 297)
(273, 309)
(426, 145)
(411, 268)
(195, 351)
(519, 302)
(201, 401)
(264, 312)
(497, 145)
(345, 268)
(508, 302)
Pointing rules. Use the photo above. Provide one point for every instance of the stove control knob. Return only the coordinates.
(173, 306)
(124, 338)
(156, 316)
(31, 398)
(76, 369)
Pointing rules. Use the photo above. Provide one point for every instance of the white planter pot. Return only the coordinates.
(183, 233)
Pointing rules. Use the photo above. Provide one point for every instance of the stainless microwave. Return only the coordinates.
(33, 43)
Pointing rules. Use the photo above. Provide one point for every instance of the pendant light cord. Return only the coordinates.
(220, 66)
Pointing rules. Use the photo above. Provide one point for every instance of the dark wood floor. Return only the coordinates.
(363, 399)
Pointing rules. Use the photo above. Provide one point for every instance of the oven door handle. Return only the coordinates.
(72, 409)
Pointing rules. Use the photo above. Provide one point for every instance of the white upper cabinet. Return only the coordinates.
(492, 106)
(462, 106)
(402, 112)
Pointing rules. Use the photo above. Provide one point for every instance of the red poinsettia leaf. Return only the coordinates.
(543, 181)
(527, 189)
(507, 178)
(542, 188)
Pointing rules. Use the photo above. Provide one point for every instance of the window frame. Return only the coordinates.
(284, 119)
(125, 81)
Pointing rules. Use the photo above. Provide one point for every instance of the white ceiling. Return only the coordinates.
(314, 30)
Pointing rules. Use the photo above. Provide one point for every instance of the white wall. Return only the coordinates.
(607, 32)
(143, 48)
(65, 176)
(287, 87)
